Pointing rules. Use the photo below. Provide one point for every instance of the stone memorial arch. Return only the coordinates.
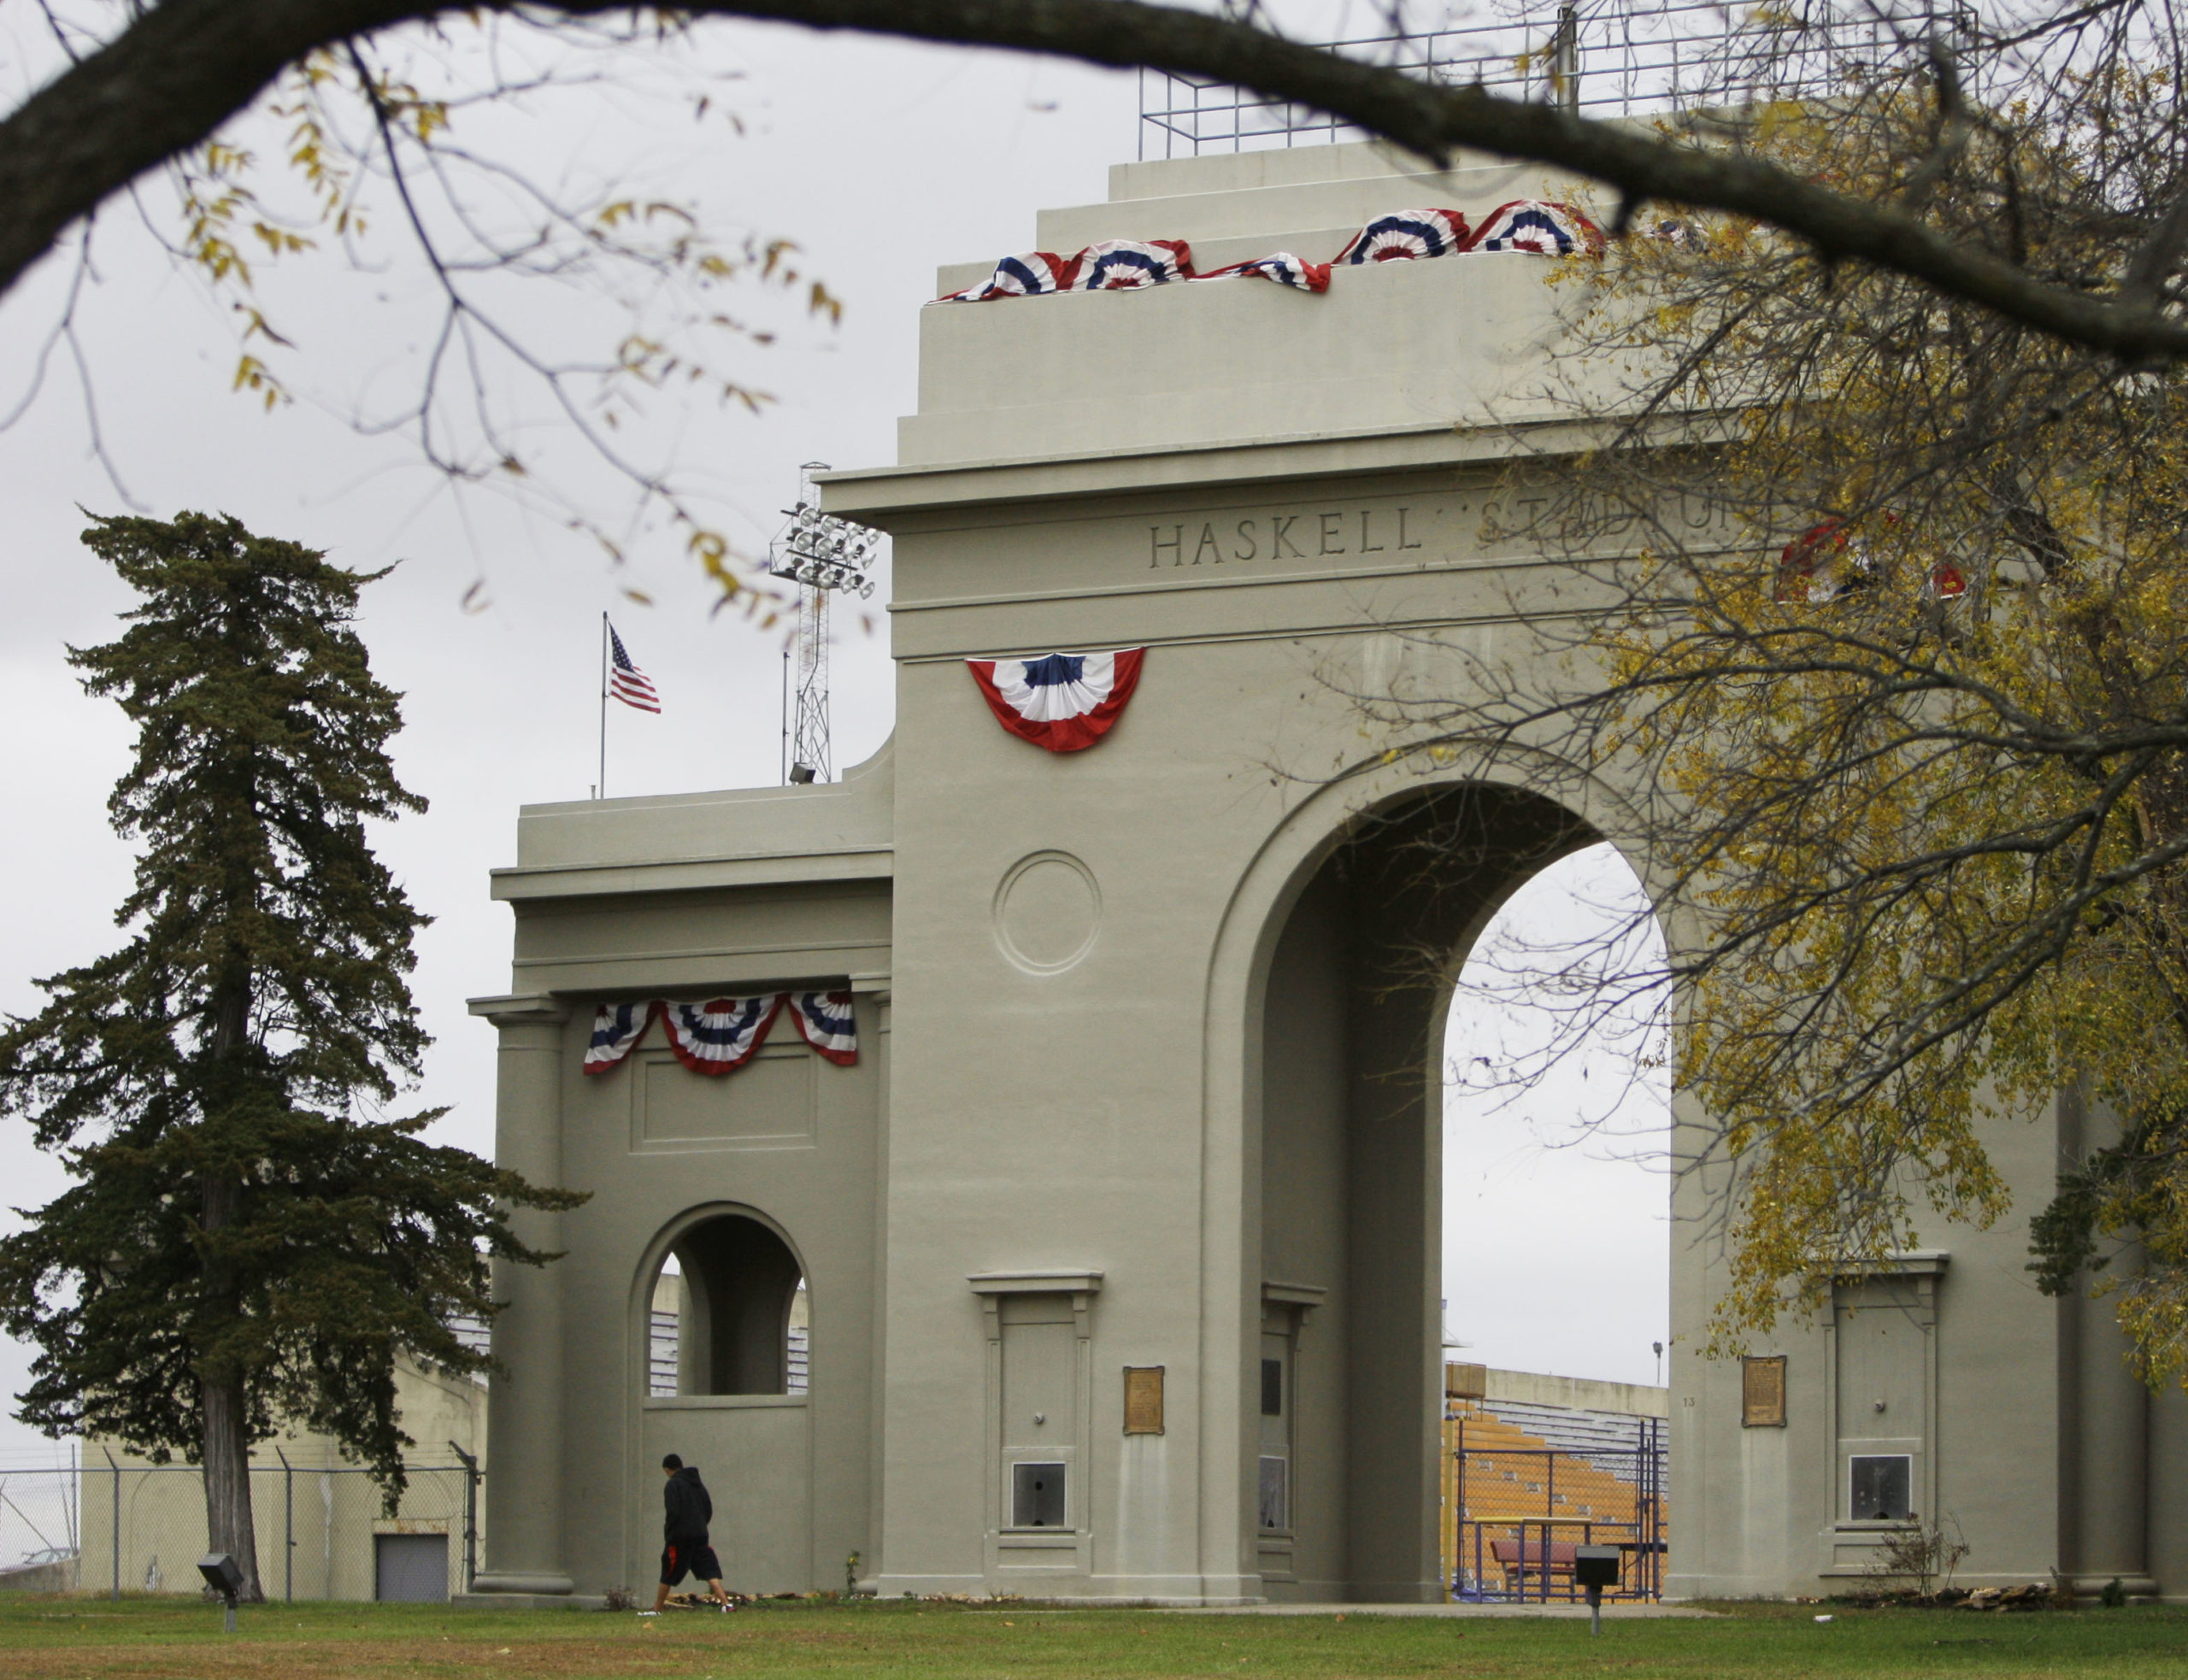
(1115, 1197)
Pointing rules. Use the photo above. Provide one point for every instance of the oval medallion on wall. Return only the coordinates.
(1046, 912)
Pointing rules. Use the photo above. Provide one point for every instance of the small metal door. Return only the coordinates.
(410, 1568)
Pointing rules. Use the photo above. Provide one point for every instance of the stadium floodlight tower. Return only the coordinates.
(821, 554)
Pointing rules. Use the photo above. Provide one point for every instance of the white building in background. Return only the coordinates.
(323, 1529)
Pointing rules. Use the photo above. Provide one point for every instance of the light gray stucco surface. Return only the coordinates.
(1142, 1081)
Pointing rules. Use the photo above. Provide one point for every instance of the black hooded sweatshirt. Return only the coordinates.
(685, 1497)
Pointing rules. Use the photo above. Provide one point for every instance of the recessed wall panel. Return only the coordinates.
(768, 1103)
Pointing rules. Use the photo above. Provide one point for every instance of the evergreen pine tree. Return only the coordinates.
(243, 1247)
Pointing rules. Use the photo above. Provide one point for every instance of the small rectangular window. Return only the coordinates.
(1883, 1488)
(1272, 1388)
(1276, 1493)
(1037, 1496)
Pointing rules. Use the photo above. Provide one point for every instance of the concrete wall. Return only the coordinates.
(58, 1576)
(2035, 1443)
(1074, 950)
(1148, 1070)
(1581, 1393)
(789, 1141)
(690, 896)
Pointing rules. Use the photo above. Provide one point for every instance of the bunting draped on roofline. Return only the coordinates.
(1281, 266)
(1114, 264)
(1532, 225)
(1535, 226)
(724, 1033)
(1405, 234)
(1126, 265)
(1028, 274)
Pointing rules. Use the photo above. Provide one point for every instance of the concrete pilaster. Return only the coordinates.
(525, 1551)
(2110, 1440)
(875, 988)
(2104, 1423)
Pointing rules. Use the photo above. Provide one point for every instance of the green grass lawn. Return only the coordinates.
(53, 1637)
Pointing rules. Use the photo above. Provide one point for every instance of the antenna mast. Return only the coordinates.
(822, 554)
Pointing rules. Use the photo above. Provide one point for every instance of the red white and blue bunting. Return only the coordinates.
(1064, 702)
(1532, 225)
(1407, 233)
(720, 1036)
(1537, 226)
(1126, 265)
(617, 1030)
(826, 1021)
(724, 1033)
(1281, 266)
(1028, 274)
(1831, 560)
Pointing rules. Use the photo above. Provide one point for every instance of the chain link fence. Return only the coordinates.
(1607, 58)
(39, 1532)
(323, 1532)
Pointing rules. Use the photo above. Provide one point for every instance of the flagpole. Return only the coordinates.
(602, 782)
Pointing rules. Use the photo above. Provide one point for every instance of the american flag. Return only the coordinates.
(626, 681)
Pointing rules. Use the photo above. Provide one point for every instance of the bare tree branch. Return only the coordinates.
(1954, 128)
(2156, 260)
(179, 70)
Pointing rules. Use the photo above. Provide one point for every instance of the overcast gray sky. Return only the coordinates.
(1556, 1193)
(882, 160)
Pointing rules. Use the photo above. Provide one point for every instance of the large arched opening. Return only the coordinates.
(1359, 982)
(1556, 1237)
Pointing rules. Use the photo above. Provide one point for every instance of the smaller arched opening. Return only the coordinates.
(729, 1312)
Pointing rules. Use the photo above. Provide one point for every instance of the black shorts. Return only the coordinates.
(679, 1559)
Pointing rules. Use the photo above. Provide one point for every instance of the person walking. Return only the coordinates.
(685, 1550)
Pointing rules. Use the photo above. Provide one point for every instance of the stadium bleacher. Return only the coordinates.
(1513, 1465)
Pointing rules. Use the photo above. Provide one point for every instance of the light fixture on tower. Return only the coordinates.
(824, 555)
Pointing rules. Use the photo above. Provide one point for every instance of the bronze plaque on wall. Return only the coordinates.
(1763, 1392)
(1143, 1400)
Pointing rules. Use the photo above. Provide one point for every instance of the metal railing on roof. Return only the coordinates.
(1608, 58)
